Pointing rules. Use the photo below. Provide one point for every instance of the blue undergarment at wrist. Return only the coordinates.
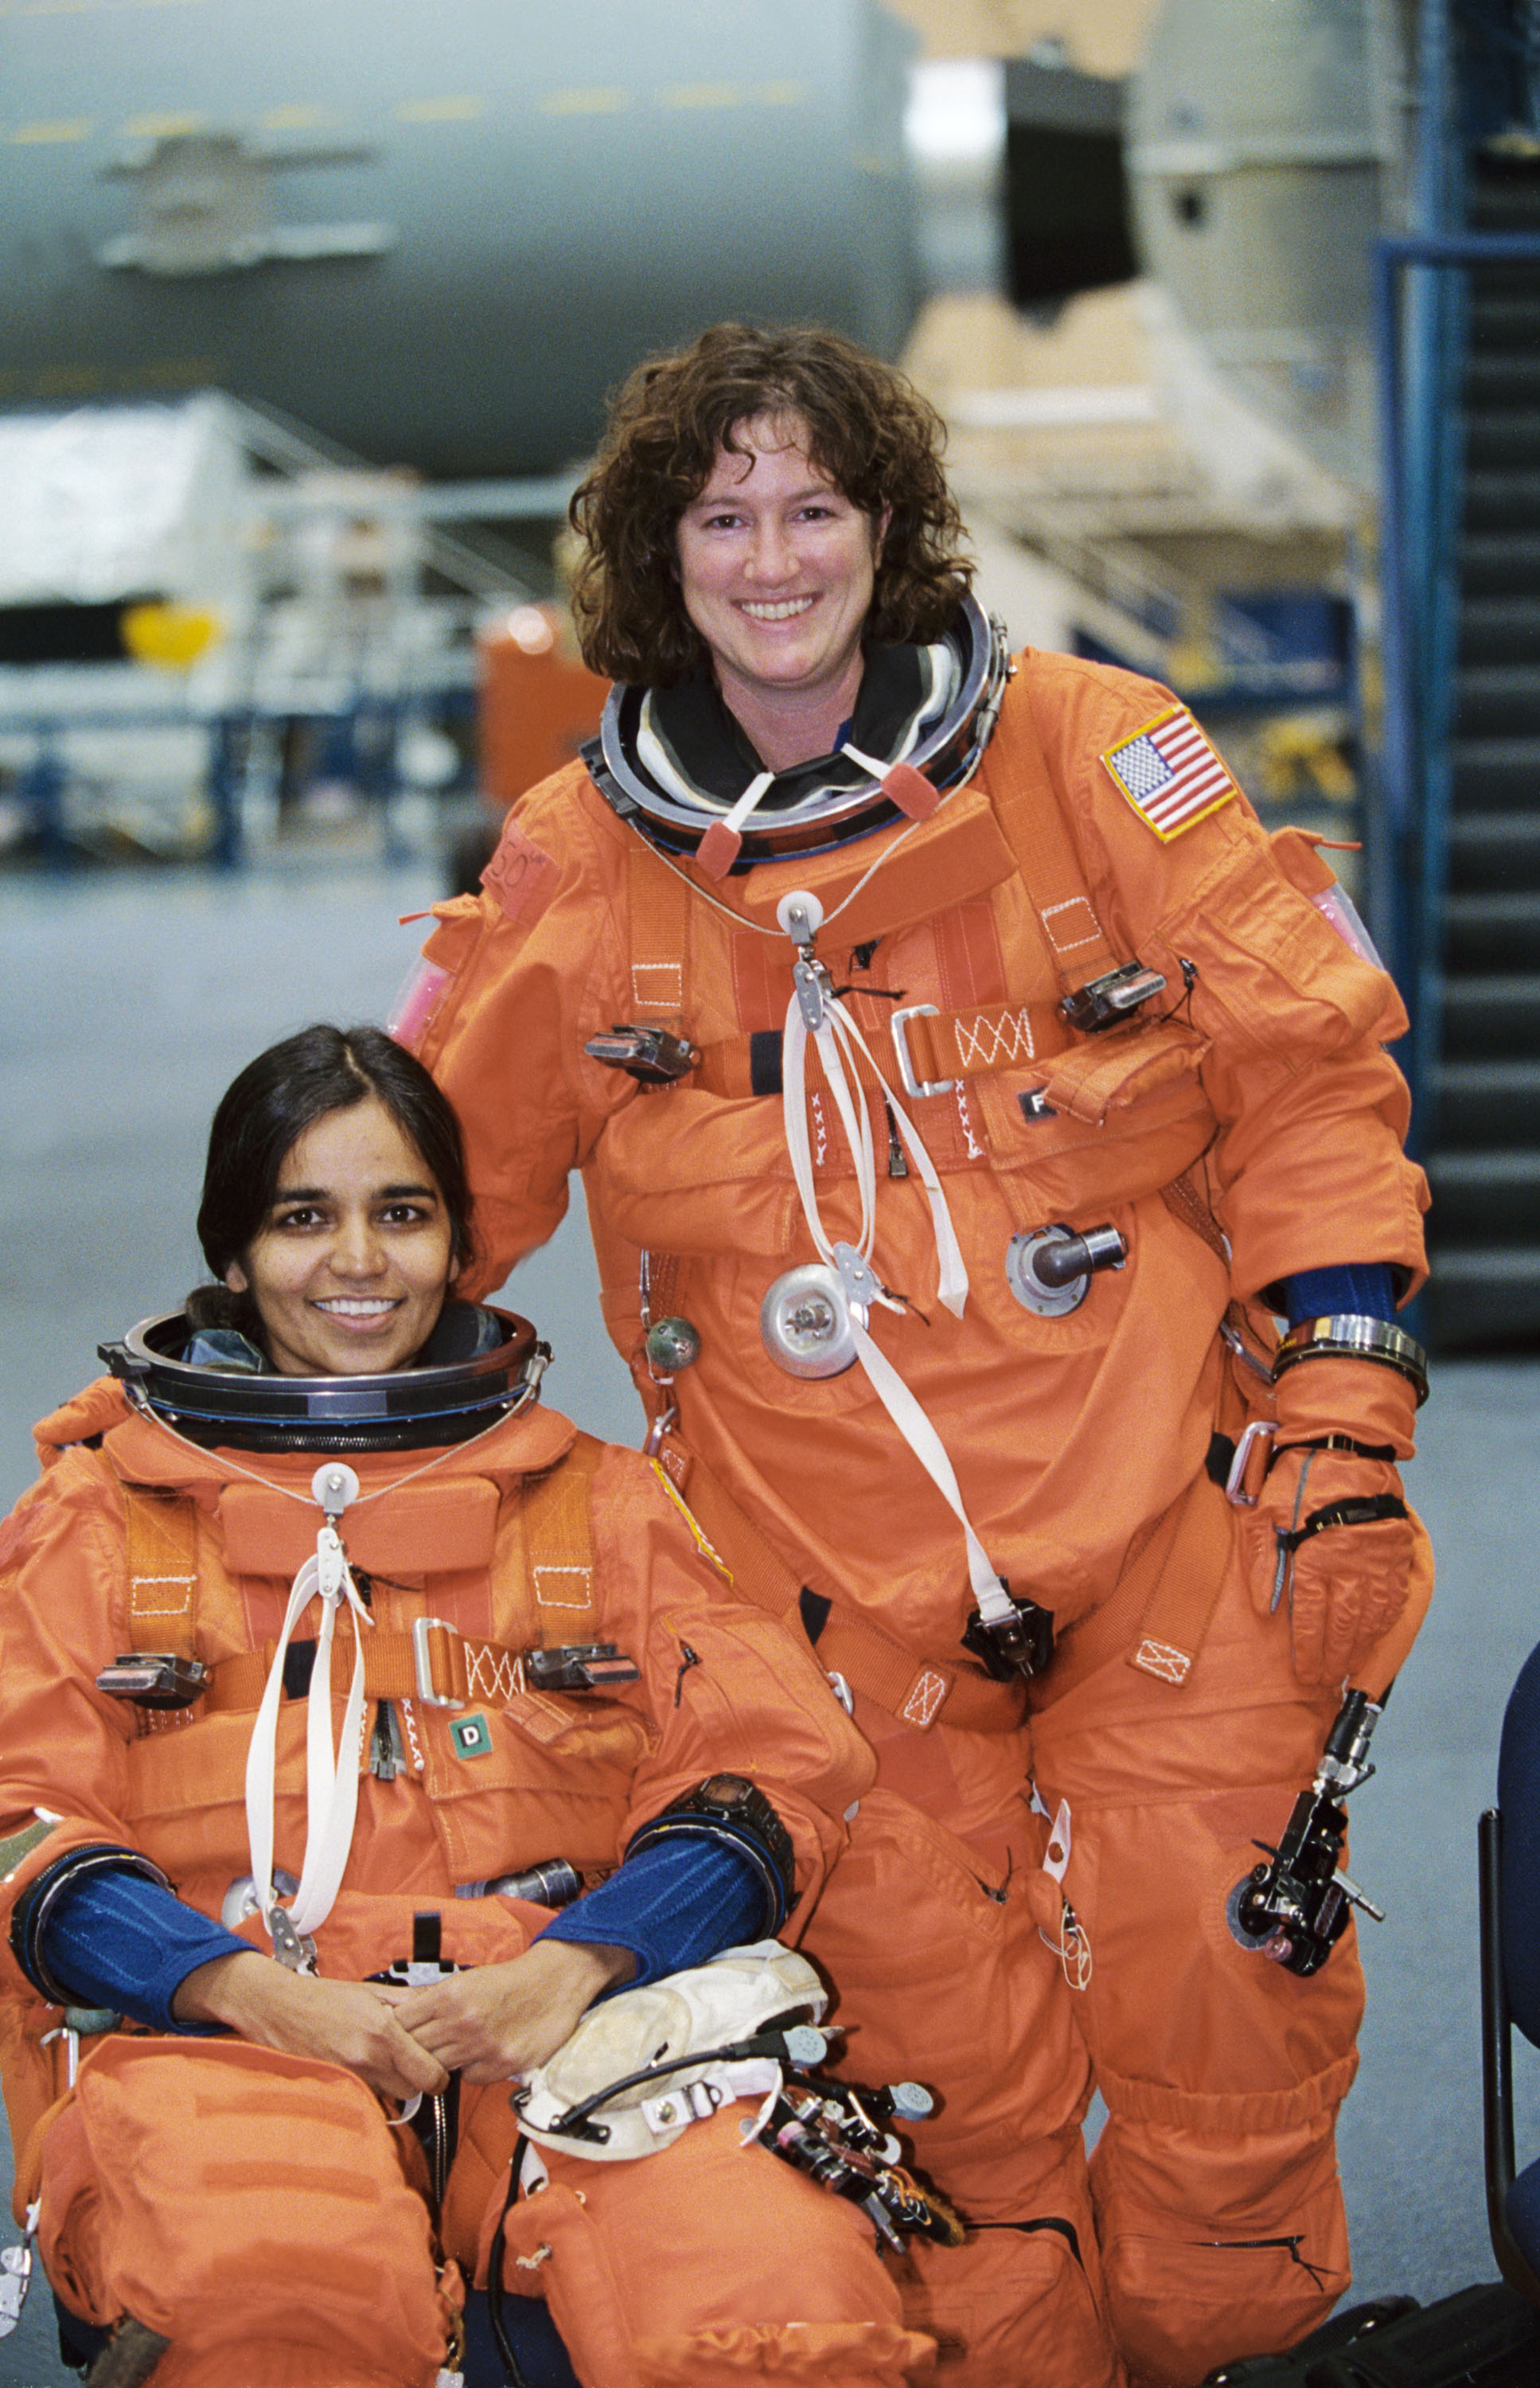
(1362, 1290)
(676, 1904)
(117, 1940)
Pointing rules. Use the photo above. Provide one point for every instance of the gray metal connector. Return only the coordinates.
(1050, 1272)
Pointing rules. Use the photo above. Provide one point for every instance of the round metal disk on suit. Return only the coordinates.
(673, 1344)
(806, 1321)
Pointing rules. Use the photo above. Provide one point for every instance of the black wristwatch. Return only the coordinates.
(730, 1808)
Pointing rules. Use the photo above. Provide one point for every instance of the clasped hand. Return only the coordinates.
(488, 2023)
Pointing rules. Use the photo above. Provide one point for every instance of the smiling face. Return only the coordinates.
(350, 1266)
(776, 569)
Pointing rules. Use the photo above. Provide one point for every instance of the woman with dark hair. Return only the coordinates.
(355, 1084)
(283, 1093)
(277, 1852)
(962, 1081)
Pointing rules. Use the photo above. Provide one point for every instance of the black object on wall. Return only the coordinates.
(1067, 209)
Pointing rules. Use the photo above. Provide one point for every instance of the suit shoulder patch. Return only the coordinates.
(521, 877)
(1169, 773)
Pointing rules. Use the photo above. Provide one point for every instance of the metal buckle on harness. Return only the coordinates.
(580, 1667)
(422, 1660)
(1107, 1001)
(912, 1085)
(661, 1429)
(651, 1056)
(1260, 1431)
(155, 1679)
(1016, 1646)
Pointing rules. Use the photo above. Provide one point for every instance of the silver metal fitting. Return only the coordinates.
(1049, 1271)
(423, 1658)
(899, 1026)
(1347, 1336)
(805, 1323)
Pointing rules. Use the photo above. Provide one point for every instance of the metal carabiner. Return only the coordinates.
(662, 1427)
(1259, 1431)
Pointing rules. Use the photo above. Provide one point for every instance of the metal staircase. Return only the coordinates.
(1480, 1099)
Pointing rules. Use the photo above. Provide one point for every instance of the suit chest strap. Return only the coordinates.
(167, 1573)
(935, 1046)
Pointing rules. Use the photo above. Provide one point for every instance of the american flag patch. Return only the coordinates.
(1170, 773)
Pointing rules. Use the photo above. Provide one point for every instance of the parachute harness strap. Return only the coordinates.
(331, 1777)
(816, 1014)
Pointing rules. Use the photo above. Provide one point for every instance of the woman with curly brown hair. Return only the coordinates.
(873, 438)
(960, 1080)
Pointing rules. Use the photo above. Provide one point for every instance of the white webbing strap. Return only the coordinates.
(836, 1037)
(749, 800)
(996, 1604)
(331, 1779)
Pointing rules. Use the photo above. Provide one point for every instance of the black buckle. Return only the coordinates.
(1107, 1001)
(153, 1679)
(649, 1055)
(580, 1667)
(1020, 1645)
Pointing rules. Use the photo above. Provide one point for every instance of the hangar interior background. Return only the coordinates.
(1230, 305)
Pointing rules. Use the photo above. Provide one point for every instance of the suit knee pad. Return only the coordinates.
(229, 2197)
(1217, 2244)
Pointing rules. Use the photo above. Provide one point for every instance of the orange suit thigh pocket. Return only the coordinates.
(1183, 2303)
(708, 2260)
(1013, 2305)
(938, 1976)
(183, 2181)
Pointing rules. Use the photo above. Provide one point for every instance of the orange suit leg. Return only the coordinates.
(249, 2206)
(940, 1976)
(709, 2261)
(1218, 2207)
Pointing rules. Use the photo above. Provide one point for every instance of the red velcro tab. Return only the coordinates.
(718, 850)
(911, 791)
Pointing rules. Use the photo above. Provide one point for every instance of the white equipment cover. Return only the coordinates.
(706, 2007)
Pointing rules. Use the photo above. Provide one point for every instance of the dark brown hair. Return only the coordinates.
(869, 430)
(263, 1113)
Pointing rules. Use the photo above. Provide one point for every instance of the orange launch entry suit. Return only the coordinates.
(254, 2207)
(1247, 1127)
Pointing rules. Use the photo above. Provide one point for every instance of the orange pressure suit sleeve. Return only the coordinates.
(64, 1747)
(513, 978)
(1308, 1170)
(724, 1688)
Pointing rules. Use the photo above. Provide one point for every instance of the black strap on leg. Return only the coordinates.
(494, 2271)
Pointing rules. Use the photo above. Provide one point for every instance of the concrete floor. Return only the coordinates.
(133, 1001)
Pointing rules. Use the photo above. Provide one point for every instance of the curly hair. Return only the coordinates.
(868, 428)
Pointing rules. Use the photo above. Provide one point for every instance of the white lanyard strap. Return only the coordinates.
(814, 1004)
(838, 1037)
(996, 1604)
(330, 1778)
